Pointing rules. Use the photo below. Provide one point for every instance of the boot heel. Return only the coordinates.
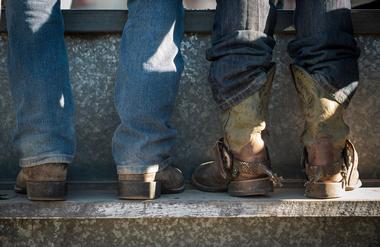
(137, 190)
(46, 190)
(260, 186)
(323, 190)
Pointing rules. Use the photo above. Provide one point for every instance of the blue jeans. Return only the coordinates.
(146, 85)
(39, 80)
(242, 46)
(150, 68)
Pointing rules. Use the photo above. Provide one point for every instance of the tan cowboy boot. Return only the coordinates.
(45, 182)
(330, 159)
(150, 185)
(241, 166)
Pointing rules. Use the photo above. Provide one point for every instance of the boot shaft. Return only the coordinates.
(325, 131)
(244, 122)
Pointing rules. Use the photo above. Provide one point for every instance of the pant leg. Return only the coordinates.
(325, 45)
(241, 51)
(39, 80)
(146, 85)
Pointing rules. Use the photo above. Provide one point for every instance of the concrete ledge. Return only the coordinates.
(364, 202)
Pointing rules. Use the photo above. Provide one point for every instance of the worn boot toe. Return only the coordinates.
(205, 178)
(172, 180)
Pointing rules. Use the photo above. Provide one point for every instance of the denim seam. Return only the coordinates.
(45, 159)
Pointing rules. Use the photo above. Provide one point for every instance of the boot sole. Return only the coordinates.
(323, 190)
(253, 187)
(46, 191)
(137, 190)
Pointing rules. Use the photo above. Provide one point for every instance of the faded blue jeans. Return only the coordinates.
(39, 80)
(150, 69)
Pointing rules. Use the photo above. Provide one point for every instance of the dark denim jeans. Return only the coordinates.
(243, 41)
(150, 68)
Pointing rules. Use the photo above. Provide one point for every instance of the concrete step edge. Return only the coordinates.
(100, 204)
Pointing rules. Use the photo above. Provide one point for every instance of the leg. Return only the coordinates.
(39, 76)
(241, 74)
(326, 76)
(241, 52)
(325, 46)
(146, 87)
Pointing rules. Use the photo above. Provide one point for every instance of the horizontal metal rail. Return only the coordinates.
(366, 21)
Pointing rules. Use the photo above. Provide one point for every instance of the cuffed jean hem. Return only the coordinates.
(331, 58)
(238, 62)
(134, 168)
(46, 159)
(251, 89)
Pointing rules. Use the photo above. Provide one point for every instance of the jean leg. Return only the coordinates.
(39, 78)
(241, 52)
(146, 85)
(325, 45)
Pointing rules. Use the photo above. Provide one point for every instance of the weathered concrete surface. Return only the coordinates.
(364, 202)
(93, 61)
(192, 232)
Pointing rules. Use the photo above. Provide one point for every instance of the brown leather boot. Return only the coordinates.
(330, 159)
(45, 182)
(150, 185)
(241, 166)
(239, 178)
(332, 179)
